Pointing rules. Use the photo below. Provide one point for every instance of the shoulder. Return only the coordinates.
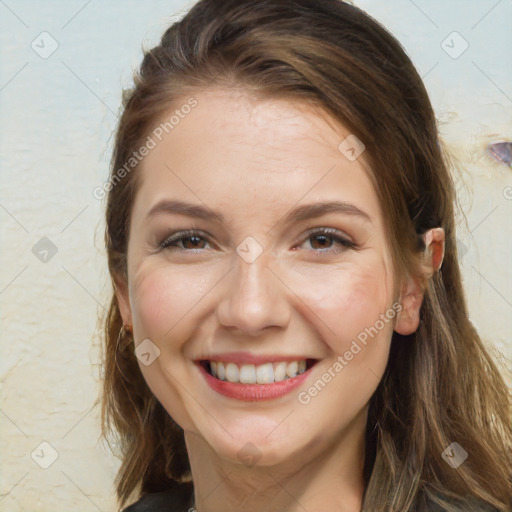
(179, 498)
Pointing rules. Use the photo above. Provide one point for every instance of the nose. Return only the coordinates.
(254, 298)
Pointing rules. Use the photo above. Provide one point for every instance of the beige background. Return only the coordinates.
(58, 111)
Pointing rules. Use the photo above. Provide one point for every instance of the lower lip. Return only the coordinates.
(253, 392)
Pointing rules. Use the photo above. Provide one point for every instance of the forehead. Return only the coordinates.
(234, 149)
(256, 125)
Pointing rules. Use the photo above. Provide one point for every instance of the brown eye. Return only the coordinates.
(190, 240)
(323, 240)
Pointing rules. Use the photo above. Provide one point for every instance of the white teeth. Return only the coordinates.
(265, 374)
(232, 372)
(292, 369)
(262, 374)
(247, 374)
(221, 371)
(280, 371)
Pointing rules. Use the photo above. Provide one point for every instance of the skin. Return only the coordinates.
(254, 160)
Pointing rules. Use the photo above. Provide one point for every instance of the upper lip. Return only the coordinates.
(242, 358)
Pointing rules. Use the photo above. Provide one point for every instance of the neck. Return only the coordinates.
(329, 479)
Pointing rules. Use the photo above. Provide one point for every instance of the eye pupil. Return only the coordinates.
(322, 237)
(195, 243)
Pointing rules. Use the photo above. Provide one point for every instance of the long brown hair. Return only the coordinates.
(441, 385)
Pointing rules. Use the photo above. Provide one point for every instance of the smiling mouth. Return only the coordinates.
(266, 373)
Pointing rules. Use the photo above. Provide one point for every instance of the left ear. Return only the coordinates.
(413, 289)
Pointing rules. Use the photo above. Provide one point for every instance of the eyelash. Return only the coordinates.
(171, 241)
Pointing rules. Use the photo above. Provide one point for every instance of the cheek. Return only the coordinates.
(346, 303)
(357, 334)
(163, 298)
(163, 301)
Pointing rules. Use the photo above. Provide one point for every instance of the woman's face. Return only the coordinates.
(259, 289)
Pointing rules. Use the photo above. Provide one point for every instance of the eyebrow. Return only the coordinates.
(301, 213)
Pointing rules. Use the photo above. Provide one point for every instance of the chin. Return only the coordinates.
(257, 441)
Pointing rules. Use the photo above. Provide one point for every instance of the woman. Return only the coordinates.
(308, 350)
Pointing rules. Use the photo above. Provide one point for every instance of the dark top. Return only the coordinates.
(180, 498)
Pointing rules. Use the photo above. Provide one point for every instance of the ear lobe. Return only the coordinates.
(123, 300)
(411, 298)
(413, 289)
